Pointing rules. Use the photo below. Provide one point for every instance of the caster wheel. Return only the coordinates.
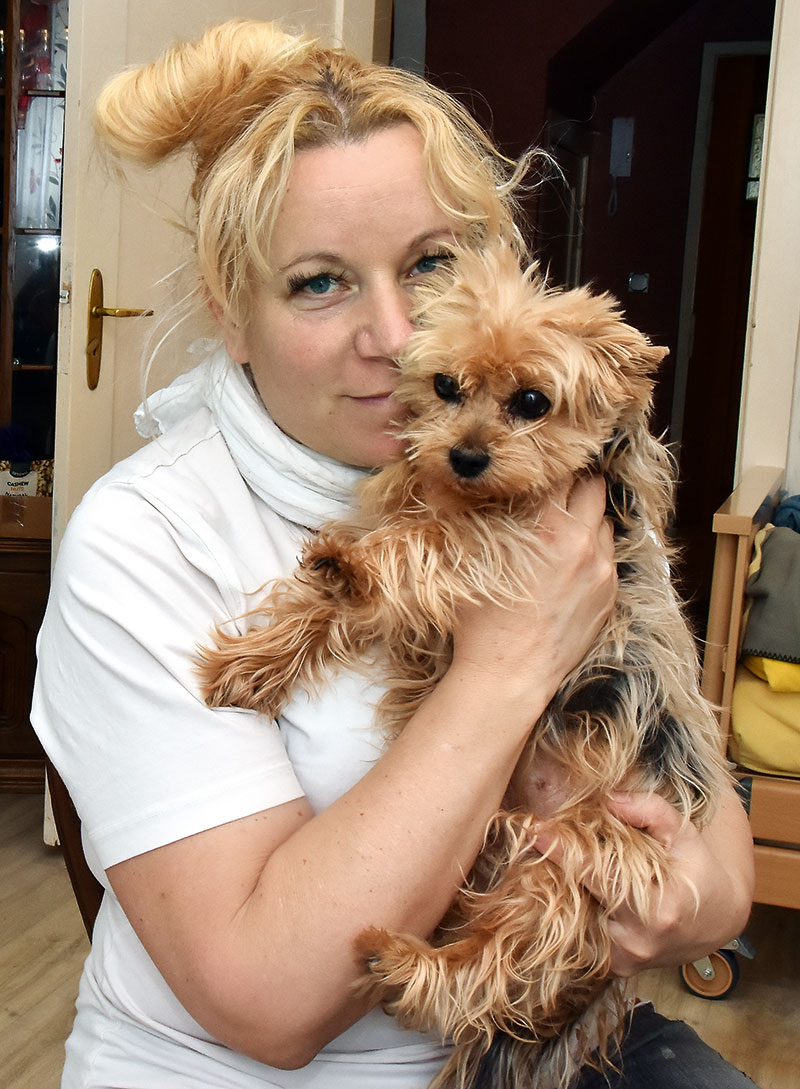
(724, 977)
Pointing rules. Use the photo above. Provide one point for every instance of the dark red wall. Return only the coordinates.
(499, 62)
(495, 57)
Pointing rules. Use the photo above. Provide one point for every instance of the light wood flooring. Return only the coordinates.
(43, 945)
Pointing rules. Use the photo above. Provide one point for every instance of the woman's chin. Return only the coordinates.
(377, 454)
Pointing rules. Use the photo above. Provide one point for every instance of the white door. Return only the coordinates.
(123, 235)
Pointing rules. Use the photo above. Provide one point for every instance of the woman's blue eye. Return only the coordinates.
(319, 285)
(430, 262)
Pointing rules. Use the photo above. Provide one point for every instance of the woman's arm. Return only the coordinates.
(252, 923)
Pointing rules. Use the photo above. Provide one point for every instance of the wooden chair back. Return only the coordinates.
(87, 889)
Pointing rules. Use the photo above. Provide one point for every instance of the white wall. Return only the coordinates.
(769, 430)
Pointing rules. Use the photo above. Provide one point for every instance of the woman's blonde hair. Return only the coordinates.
(246, 97)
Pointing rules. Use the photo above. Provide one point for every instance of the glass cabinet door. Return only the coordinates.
(34, 66)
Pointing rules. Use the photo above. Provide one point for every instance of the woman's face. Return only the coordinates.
(357, 229)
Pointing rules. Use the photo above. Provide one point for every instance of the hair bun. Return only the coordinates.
(200, 93)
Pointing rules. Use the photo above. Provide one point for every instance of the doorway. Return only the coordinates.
(716, 290)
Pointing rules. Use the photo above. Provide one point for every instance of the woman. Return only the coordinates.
(241, 858)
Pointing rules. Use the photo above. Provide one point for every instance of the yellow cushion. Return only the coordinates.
(780, 676)
(765, 726)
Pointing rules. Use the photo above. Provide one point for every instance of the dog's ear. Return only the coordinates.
(598, 320)
(632, 352)
(620, 362)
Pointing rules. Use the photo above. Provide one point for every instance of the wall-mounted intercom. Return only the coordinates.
(621, 147)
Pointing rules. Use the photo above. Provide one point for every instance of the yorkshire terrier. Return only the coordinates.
(513, 390)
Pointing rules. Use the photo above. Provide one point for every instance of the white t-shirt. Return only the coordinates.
(169, 543)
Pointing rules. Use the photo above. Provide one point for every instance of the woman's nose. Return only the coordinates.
(385, 323)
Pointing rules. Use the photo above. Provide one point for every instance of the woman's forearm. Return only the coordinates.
(253, 924)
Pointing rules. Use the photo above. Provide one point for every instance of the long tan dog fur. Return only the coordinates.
(513, 390)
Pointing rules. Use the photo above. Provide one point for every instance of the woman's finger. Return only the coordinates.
(548, 845)
(649, 812)
(586, 500)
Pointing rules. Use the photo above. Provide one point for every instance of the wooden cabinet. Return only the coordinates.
(24, 584)
(32, 87)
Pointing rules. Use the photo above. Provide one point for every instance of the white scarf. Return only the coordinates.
(299, 484)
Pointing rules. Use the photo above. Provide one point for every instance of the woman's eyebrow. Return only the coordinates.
(317, 257)
(328, 258)
(438, 234)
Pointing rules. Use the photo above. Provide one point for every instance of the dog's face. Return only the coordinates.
(512, 388)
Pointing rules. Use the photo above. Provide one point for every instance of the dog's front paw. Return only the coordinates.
(231, 675)
(334, 569)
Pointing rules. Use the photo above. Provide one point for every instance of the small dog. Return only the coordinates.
(513, 390)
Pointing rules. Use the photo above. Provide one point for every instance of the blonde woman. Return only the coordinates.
(241, 857)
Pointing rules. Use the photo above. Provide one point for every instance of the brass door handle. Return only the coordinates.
(118, 312)
(94, 330)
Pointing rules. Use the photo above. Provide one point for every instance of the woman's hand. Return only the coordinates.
(533, 645)
(706, 901)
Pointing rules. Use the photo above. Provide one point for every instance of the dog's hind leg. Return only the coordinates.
(414, 981)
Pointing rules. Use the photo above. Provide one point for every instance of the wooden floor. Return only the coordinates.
(43, 947)
(757, 1027)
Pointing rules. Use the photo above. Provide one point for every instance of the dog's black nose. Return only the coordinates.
(468, 463)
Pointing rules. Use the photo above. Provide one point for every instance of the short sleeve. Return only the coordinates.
(117, 703)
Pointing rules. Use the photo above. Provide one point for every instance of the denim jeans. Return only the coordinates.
(657, 1053)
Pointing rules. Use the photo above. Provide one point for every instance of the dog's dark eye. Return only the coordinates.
(529, 404)
(446, 387)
